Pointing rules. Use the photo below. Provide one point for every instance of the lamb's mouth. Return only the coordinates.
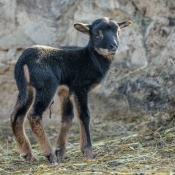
(105, 52)
(112, 53)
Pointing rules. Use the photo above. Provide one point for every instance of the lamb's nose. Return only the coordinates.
(113, 47)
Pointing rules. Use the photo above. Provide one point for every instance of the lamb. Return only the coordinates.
(73, 72)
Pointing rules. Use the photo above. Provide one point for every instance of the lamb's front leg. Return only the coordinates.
(66, 122)
(81, 101)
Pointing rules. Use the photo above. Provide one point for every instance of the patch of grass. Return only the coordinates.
(141, 146)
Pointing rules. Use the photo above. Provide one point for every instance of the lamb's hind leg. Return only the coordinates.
(66, 122)
(42, 101)
(17, 125)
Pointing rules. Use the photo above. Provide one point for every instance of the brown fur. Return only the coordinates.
(17, 124)
(38, 130)
(127, 23)
(73, 101)
(95, 86)
(82, 27)
(26, 73)
(105, 53)
(61, 142)
(83, 138)
(87, 151)
(63, 91)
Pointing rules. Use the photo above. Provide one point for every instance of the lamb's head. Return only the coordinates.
(104, 34)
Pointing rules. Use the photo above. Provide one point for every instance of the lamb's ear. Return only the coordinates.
(85, 28)
(124, 24)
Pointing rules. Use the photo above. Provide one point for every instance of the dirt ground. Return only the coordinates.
(144, 145)
(133, 145)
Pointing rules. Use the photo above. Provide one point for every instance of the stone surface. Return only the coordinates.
(141, 79)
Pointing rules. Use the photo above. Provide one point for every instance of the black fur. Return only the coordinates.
(79, 68)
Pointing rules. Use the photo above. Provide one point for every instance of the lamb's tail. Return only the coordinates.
(22, 78)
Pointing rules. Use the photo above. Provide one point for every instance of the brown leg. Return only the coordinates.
(17, 125)
(41, 102)
(67, 120)
(61, 141)
(38, 130)
(85, 145)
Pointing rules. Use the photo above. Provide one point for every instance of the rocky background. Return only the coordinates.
(141, 79)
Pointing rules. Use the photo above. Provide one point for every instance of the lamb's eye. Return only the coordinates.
(97, 35)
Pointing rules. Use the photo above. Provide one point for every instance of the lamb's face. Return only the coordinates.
(104, 34)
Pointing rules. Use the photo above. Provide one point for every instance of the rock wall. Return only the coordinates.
(141, 79)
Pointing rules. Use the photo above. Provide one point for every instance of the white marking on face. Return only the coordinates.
(104, 51)
(109, 55)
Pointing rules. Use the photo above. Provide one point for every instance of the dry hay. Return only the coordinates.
(130, 146)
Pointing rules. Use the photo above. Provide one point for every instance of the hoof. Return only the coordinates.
(28, 157)
(52, 158)
(87, 152)
(60, 153)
